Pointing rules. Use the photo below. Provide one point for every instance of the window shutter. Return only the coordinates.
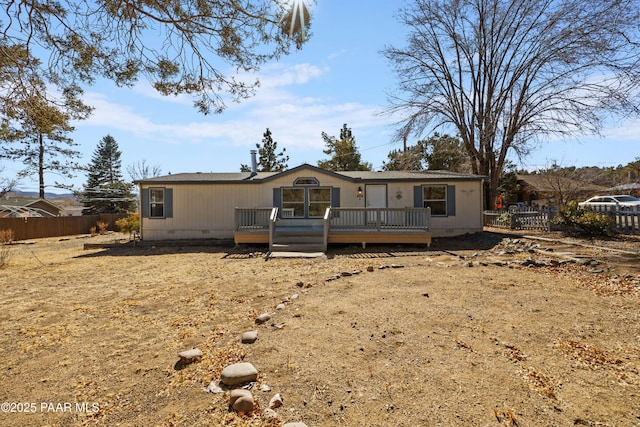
(417, 196)
(335, 197)
(451, 200)
(335, 200)
(144, 203)
(277, 200)
(168, 202)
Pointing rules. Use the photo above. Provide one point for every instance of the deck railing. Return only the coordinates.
(380, 219)
(251, 219)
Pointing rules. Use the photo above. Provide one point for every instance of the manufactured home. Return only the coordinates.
(307, 208)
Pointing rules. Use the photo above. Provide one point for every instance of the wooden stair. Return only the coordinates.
(288, 238)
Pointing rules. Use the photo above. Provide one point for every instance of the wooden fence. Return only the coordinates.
(626, 220)
(520, 219)
(38, 227)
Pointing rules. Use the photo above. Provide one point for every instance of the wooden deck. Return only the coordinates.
(339, 226)
(344, 236)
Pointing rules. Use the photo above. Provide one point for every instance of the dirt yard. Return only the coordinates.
(482, 331)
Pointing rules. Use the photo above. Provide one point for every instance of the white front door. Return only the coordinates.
(375, 197)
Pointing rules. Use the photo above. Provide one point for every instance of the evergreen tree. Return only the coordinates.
(105, 190)
(35, 127)
(269, 160)
(436, 153)
(344, 153)
(444, 153)
(401, 160)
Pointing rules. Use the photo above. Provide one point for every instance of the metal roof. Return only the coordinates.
(258, 177)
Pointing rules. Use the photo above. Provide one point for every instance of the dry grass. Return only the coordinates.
(434, 343)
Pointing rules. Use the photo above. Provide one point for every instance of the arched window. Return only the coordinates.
(308, 181)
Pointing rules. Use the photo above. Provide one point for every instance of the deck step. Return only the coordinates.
(289, 238)
(301, 239)
(297, 247)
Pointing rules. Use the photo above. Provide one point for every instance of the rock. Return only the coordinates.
(300, 424)
(264, 317)
(370, 268)
(397, 266)
(294, 297)
(241, 400)
(265, 388)
(190, 356)
(280, 306)
(345, 274)
(269, 414)
(214, 388)
(276, 401)
(238, 373)
(299, 283)
(249, 337)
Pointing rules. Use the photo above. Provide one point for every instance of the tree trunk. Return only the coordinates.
(41, 166)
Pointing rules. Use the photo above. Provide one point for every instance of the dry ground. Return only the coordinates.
(90, 337)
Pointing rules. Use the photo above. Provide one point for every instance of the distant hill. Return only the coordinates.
(46, 194)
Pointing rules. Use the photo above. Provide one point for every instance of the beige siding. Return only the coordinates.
(206, 211)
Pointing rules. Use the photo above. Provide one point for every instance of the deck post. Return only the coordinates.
(272, 226)
(326, 220)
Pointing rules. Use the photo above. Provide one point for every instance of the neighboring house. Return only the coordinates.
(542, 190)
(19, 207)
(632, 189)
(283, 208)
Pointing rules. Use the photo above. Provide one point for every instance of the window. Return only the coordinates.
(293, 202)
(319, 201)
(435, 197)
(306, 181)
(156, 203)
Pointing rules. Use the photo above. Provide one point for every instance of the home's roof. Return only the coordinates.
(10, 200)
(625, 187)
(248, 177)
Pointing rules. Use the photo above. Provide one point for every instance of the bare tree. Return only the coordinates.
(506, 73)
(143, 170)
(6, 184)
(181, 46)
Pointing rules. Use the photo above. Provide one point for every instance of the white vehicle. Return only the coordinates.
(621, 201)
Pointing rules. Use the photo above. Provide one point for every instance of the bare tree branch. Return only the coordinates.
(507, 73)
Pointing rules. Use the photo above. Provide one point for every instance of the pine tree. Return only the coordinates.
(269, 160)
(345, 154)
(105, 190)
(34, 128)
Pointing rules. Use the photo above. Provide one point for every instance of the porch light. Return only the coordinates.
(359, 192)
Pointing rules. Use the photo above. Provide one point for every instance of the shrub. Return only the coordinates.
(102, 227)
(506, 219)
(575, 219)
(6, 238)
(130, 224)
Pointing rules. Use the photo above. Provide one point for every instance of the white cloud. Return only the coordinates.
(295, 120)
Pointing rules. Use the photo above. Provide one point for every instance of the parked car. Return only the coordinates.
(621, 201)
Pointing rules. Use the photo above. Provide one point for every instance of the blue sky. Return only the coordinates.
(338, 77)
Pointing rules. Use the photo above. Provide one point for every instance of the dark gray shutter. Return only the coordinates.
(417, 196)
(451, 200)
(335, 200)
(144, 202)
(335, 197)
(168, 202)
(277, 200)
